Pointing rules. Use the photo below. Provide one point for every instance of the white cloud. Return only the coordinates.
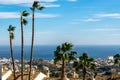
(22, 1)
(100, 16)
(91, 20)
(15, 1)
(50, 5)
(107, 29)
(4, 15)
(72, 0)
(108, 15)
(48, 0)
(102, 29)
(9, 15)
(43, 4)
(40, 15)
(28, 3)
(115, 35)
(78, 21)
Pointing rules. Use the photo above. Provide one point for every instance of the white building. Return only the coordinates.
(110, 58)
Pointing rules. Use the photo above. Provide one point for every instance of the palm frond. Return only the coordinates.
(35, 4)
(117, 59)
(25, 13)
(32, 8)
(72, 55)
(41, 8)
(24, 21)
(57, 59)
(85, 56)
(66, 56)
(64, 51)
(11, 28)
(75, 64)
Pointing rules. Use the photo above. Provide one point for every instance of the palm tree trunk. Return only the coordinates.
(63, 76)
(84, 73)
(32, 44)
(12, 56)
(22, 49)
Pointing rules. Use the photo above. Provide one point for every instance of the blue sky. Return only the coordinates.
(81, 22)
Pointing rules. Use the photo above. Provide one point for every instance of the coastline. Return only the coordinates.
(47, 52)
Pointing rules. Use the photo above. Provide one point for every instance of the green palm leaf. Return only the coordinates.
(24, 21)
(25, 13)
(11, 28)
(63, 53)
(41, 8)
(84, 63)
(117, 59)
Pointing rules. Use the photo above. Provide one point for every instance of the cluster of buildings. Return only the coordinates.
(109, 61)
(6, 70)
(48, 66)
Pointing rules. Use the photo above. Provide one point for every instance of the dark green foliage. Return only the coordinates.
(84, 63)
(24, 21)
(24, 13)
(36, 5)
(64, 53)
(55, 74)
(117, 59)
(11, 30)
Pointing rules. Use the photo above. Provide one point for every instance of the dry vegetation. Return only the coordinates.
(25, 76)
(115, 77)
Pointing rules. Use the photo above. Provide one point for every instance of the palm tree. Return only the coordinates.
(36, 5)
(63, 53)
(117, 59)
(23, 22)
(11, 36)
(84, 63)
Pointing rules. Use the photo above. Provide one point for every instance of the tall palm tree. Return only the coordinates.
(36, 5)
(11, 36)
(84, 63)
(23, 22)
(117, 59)
(63, 53)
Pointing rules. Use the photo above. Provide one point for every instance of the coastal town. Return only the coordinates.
(44, 69)
(55, 26)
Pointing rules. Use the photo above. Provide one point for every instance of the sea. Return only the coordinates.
(46, 52)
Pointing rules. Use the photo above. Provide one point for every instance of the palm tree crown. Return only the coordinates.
(84, 62)
(24, 14)
(64, 53)
(117, 59)
(11, 29)
(36, 5)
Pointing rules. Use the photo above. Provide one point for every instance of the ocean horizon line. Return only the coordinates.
(73, 45)
(47, 52)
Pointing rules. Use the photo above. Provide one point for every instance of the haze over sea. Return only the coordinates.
(47, 52)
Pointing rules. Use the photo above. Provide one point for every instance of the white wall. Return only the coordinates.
(40, 76)
(5, 76)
